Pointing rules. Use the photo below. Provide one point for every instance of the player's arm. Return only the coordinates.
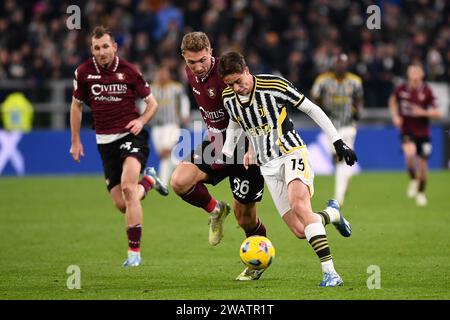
(232, 136)
(249, 156)
(393, 109)
(135, 126)
(319, 117)
(357, 107)
(316, 91)
(358, 100)
(433, 112)
(76, 114)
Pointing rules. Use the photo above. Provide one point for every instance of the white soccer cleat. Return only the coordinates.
(343, 226)
(133, 260)
(411, 192)
(331, 279)
(250, 274)
(159, 186)
(216, 223)
(421, 200)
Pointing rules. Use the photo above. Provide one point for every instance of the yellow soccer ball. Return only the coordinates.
(257, 252)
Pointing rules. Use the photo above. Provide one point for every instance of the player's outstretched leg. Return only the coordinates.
(161, 187)
(216, 220)
(250, 274)
(333, 214)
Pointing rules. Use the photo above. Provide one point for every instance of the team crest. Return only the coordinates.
(211, 92)
(120, 76)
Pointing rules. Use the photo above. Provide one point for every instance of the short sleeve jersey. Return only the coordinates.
(208, 96)
(408, 97)
(110, 93)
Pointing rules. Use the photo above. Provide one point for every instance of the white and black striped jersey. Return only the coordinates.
(338, 96)
(173, 103)
(265, 118)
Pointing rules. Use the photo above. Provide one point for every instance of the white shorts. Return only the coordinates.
(348, 134)
(279, 172)
(165, 137)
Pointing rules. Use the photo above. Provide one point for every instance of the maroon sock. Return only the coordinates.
(134, 237)
(421, 185)
(199, 196)
(259, 230)
(412, 173)
(147, 183)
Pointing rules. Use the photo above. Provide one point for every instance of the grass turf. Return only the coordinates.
(50, 223)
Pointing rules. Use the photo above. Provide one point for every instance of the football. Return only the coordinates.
(257, 252)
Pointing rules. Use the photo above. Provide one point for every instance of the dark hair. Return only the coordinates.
(100, 31)
(231, 62)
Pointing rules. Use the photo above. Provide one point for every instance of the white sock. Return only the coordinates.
(165, 170)
(334, 215)
(317, 229)
(342, 177)
(328, 266)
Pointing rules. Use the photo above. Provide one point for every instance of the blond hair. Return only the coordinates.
(195, 41)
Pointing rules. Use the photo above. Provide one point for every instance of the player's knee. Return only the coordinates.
(300, 208)
(129, 191)
(182, 180)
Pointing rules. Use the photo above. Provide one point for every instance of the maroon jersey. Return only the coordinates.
(407, 97)
(110, 93)
(208, 96)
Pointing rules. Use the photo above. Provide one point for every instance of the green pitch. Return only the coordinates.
(49, 224)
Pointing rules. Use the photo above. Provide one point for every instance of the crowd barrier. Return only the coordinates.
(47, 152)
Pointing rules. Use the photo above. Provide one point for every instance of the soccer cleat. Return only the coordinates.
(133, 260)
(343, 226)
(250, 274)
(216, 223)
(331, 279)
(421, 200)
(159, 185)
(412, 189)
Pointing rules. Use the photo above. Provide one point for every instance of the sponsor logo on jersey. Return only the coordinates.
(212, 115)
(114, 88)
(195, 91)
(93, 76)
(211, 92)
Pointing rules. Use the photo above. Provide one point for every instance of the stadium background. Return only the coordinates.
(38, 55)
(59, 216)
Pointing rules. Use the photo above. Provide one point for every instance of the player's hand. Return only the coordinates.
(344, 152)
(77, 151)
(418, 111)
(249, 159)
(135, 126)
(397, 122)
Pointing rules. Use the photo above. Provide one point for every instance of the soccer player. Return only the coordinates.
(412, 105)
(190, 176)
(109, 85)
(173, 111)
(259, 105)
(340, 93)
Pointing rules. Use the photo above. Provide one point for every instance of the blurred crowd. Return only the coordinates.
(293, 38)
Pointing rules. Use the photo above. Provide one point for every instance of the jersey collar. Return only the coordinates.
(112, 67)
(252, 95)
(213, 63)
